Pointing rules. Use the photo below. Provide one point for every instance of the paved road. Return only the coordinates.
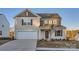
(19, 45)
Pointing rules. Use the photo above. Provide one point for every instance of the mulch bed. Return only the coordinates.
(5, 40)
(58, 44)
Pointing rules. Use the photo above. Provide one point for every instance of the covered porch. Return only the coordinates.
(45, 33)
(52, 33)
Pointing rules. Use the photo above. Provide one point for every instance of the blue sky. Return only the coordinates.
(70, 16)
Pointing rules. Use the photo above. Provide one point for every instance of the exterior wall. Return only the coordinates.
(27, 28)
(26, 35)
(77, 37)
(48, 21)
(56, 21)
(0, 25)
(4, 26)
(35, 26)
(51, 35)
(18, 23)
(52, 21)
(43, 35)
(39, 34)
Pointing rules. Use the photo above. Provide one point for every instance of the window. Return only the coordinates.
(58, 33)
(50, 21)
(27, 22)
(55, 21)
(0, 32)
(41, 23)
(2, 25)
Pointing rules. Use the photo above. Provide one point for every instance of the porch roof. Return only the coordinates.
(45, 27)
(59, 27)
(50, 27)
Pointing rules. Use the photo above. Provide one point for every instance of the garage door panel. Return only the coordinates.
(26, 35)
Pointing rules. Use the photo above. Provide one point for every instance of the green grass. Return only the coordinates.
(57, 44)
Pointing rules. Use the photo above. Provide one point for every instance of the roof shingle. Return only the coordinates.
(49, 15)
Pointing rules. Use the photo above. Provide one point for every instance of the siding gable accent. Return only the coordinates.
(27, 13)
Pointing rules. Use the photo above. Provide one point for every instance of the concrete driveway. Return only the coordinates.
(19, 45)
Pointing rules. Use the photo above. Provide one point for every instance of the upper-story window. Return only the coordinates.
(55, 21)
(41, 22)
(27, 22)
(50, 21)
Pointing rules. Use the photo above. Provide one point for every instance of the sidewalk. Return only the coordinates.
(56, 49)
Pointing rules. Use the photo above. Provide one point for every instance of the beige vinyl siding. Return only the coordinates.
(35, 23)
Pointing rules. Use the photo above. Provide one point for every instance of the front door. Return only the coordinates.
(46, 34)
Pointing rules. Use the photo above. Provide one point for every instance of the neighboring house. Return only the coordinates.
(4, 26)
(29, 25)
(77, 35)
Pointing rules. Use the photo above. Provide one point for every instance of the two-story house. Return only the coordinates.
(47, 26)
(4, 26)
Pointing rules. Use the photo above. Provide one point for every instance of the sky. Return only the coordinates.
(70, 16)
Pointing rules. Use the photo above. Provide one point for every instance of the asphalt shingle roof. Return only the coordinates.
(48, 15)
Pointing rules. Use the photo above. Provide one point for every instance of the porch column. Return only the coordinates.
(49, 38)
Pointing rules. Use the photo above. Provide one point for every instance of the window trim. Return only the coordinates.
(0, 32)
(58, 34)
(26, 23)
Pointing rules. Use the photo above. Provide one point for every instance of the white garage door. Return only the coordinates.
(26, 35)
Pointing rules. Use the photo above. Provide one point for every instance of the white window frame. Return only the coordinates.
(27, 21)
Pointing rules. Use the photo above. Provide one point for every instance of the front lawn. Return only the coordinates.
(57, 44)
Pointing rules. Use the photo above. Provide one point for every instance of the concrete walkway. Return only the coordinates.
(56, 49)
(19, 45)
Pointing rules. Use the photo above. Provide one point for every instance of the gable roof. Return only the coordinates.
(41, 15)
(4, 19)
(49, 15)
(26, 13)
